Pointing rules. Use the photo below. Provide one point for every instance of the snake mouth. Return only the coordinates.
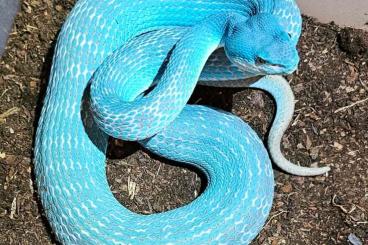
(260, 62)
(261, 66)
(278, 69)
(280, 66)
(285, 66)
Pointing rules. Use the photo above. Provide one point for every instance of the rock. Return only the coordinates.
(353, 239)
(287, 188)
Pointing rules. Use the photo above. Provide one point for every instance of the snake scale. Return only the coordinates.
(126, 69)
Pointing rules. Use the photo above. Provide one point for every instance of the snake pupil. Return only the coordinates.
(260, 61)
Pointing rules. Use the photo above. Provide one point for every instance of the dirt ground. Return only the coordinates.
(329, 128)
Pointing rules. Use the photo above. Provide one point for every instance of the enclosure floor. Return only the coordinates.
(352, 13)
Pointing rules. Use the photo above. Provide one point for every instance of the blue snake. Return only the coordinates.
(126, 69)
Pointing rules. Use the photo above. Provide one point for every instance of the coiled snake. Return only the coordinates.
(127, 69)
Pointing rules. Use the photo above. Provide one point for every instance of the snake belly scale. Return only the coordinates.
(108, 54)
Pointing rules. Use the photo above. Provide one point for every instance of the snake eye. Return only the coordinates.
(234, 30)
(260, 61)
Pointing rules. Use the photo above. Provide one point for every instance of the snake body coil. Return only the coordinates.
(109, 53)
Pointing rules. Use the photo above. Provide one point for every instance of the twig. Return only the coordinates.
(352, 105)
(8, 113)
(365, 86)
(339, 206)
(274, 216)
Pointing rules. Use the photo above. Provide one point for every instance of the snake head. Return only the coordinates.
(261, 45)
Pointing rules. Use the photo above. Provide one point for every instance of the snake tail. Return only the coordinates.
(280, 90)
